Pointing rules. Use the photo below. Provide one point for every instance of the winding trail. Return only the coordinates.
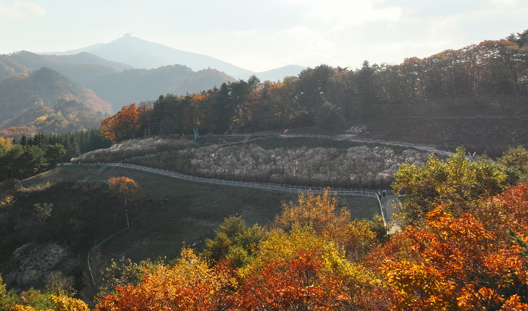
(388, 204)
(385, 208)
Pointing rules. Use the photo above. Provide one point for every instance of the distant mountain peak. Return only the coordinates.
(140, 53)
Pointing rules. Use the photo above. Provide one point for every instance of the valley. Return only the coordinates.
(65, 116)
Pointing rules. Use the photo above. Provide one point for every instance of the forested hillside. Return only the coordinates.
(136, 85)
(29, 155)
(46, 100)
(451, 98)
(9, 68)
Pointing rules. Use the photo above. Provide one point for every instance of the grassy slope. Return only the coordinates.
(179, 211)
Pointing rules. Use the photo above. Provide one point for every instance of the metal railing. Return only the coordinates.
(256, 185)
(247, 184)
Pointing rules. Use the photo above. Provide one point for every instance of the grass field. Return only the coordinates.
(178, 211)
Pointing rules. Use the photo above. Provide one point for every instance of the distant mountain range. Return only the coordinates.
(88, 83)
(119, 88)
(143, 54)
(82, 73)
(87, 58)
(136, 85)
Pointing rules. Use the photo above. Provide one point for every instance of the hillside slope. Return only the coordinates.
(9, 68)
(24, 98)
(133, 86)
(83, 73)
(173, 212)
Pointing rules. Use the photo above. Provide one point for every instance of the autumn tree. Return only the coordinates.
(125, 272)
(283, 250)
(60, 303)
(127, 123)
(7, 298)
(516, 162)
(5, 145)
(319, 212)
(295, 285)
(126, 187)
(456, 182)
(455, 263)
(234, 241)
(190, 284)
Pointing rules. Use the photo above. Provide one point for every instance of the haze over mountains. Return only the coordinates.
(136, 85)
(9, 68)
(100, 79)
(47, 101)
(82, 73)
(143, 54)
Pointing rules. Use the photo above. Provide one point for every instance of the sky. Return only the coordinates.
(262, 35)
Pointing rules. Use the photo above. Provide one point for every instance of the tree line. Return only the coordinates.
(30, 155)
(330, 96)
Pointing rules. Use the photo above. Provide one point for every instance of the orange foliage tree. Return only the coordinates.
(62, 303)
(297, 285)
(126, 186)
(188, 285)
(461, 263)
(125, 124)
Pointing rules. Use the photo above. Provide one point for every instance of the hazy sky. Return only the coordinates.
(261, 35)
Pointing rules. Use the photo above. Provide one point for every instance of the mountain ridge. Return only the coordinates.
(9, 68)
(81, 73)
(47, 100)
(136, 85)
(145, 54)
(127, 48)
(88, 58)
